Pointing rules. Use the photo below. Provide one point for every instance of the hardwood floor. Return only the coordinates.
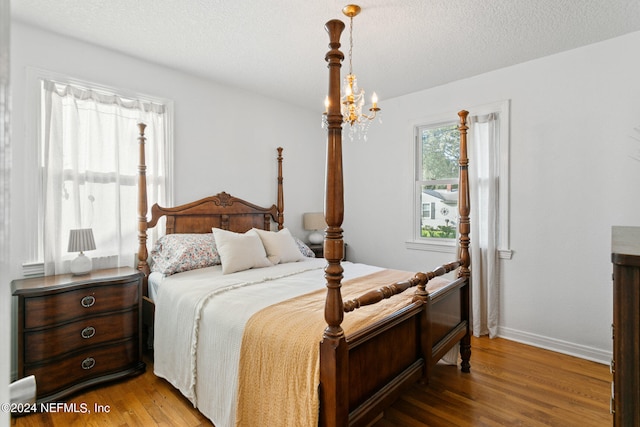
(510, 384)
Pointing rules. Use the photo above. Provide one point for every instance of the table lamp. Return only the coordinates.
(81, 240)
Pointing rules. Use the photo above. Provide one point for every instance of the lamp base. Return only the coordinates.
(316, 238)
(80, 265)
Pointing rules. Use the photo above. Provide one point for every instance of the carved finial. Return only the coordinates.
(335, 27)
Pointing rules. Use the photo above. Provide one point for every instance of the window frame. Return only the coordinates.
(418, 242)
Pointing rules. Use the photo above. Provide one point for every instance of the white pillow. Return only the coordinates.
(240, 252)
(281, 247)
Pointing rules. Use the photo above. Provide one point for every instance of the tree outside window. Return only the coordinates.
(437, 181)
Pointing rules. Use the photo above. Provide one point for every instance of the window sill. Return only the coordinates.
(505, 253)
(32, 269)
(433, 246)
(448, 247)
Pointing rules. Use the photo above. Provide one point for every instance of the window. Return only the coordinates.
(437, 148)
(88, 163)
(428, 210)
(436, 179)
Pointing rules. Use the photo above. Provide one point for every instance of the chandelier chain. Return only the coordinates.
(351, 45)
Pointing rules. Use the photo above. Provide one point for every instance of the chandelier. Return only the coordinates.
(352, 97)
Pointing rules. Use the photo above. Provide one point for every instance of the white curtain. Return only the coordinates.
(484, 179)
(90, 171)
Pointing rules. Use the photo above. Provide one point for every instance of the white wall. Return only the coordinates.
(5, 196)
(225, 139)
(572, 177)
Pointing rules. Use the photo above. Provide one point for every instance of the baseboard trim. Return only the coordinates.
(559, 346)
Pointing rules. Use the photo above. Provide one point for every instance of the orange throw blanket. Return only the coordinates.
(279, 358)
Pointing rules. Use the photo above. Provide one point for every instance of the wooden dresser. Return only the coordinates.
(78, 331)
(625, 366)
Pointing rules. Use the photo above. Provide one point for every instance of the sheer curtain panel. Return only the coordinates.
(484, 181)
(89, 162)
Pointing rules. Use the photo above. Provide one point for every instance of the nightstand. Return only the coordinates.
(78, 331)
(319, 251)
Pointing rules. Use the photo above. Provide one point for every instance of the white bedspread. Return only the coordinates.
(200, 319)
(154, 280)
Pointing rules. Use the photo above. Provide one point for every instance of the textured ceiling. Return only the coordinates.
(277, 47)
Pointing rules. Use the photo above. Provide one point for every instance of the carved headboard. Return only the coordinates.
(221, 211)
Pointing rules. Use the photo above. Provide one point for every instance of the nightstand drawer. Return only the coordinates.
(66, 306)
(49, 343)
(82, 367)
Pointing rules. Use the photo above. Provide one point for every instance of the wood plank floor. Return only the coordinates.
(510, 385)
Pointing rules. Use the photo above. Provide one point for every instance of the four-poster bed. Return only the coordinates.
(377, 338)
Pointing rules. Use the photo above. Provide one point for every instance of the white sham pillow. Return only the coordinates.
(281, 247)
(239, 251)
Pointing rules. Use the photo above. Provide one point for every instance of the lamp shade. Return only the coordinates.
(314, 221)
(81, 240)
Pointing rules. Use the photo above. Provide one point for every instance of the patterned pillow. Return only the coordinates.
(306, 250)
(174, 253)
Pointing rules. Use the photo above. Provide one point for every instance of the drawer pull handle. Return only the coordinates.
(88, 363)
(88, 301)
(88, 332)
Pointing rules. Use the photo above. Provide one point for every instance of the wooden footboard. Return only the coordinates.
(448, 323)
(384, 359)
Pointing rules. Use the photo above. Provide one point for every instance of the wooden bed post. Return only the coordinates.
(334, 367)
(465, 228)
(280, 207)
(143, 266)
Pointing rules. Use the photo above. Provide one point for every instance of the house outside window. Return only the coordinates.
(437, 148)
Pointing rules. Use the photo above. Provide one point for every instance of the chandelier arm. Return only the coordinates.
(373, 114)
